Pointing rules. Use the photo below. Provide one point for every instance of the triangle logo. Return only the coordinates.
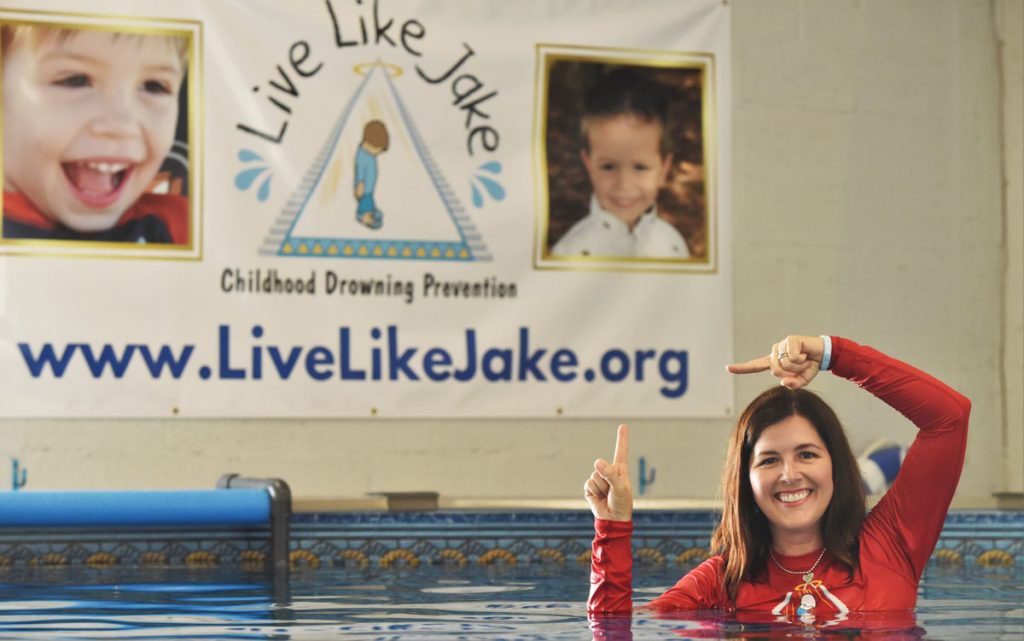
(374, 191)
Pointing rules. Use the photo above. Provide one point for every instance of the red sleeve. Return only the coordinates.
(611, 568)
(700, 589)
(905, 525)
(611, 576)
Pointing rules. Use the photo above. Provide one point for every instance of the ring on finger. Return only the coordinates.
(783, 355)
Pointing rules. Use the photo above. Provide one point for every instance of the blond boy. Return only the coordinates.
(89, 117)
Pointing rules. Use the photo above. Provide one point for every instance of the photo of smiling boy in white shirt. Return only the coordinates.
(627, 155)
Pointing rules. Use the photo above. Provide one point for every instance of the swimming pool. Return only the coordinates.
(448, 575)
(499, 602)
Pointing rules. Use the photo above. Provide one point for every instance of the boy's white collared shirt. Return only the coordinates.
(601, 233)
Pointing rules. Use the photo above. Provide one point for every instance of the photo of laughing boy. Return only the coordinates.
(89, 121)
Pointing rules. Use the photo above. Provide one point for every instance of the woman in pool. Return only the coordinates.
(794, 540)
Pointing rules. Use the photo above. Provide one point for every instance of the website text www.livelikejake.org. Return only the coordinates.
(377, 355)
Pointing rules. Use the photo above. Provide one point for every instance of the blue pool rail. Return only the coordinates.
(237, 501)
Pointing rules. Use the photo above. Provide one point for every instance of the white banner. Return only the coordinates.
(346, 208)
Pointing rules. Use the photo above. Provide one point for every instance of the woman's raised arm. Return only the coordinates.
(610, 495)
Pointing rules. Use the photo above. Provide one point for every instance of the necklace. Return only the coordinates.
(808, 575)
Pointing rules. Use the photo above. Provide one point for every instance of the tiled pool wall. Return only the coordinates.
(463, 538)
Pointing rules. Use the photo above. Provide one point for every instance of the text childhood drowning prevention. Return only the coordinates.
(235, 280)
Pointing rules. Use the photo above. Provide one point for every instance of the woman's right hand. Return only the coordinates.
(795, 360)
(608, 490)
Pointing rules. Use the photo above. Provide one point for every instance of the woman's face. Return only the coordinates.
(791, 476)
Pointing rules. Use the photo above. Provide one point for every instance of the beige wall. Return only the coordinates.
(872, 139)
(1010, 31)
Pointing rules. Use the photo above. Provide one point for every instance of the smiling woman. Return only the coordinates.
(793, 541)
(89, 118)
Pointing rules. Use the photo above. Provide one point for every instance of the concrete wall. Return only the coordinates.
(1010, 30)
(877, 165)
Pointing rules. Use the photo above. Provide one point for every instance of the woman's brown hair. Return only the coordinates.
(743, 537)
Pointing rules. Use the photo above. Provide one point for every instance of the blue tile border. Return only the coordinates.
(412, 539)
(990, 539)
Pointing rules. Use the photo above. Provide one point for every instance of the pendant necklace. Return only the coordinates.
(807, 575)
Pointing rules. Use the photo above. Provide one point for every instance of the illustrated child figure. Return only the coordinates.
(626, 152)
(89, 117)
(375, 141)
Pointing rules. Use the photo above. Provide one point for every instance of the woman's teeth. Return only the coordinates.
(793, 497)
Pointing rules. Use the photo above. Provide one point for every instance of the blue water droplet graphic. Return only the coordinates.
(496, 191)
(478, 199)
(264, 191)
(248, 156)
(244, 179)
(494, 167)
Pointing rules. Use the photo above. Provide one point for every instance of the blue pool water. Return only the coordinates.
(498, 603)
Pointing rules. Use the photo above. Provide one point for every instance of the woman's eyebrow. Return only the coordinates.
(808, 446)
(802, 446)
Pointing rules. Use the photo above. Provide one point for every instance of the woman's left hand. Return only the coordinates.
(795, 360)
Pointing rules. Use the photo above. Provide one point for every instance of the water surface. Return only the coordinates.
(534, 603)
